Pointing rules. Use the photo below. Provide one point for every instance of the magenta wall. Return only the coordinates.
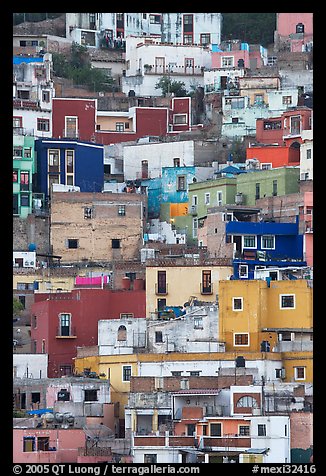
(286, 23)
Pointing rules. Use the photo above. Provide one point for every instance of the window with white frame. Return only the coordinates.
(179, 119)
(198, 322)
(126, 373)
(70, 166)
(237, 304)
(194, 200)
(241, 339)
(250, 241)
(299, 373)
(287, 301)
(195, 228)
(227, 61)
(219, 196)
(244, 430)
(207, 198)
(243, 271)
(266, 166)
(268, 242)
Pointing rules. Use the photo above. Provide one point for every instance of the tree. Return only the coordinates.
(17, 307)
(169, 86)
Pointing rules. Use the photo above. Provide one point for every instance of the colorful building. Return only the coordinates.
(69, 162)
(63, 321)
(276, 316)
(24, 168)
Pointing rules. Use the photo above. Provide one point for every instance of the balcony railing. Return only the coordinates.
(226, 441)
(66, 333)
(22, 131)
(26, 103)
(205, 289)
(161, 290)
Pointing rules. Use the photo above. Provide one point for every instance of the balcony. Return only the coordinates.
(227, 441)
(206, 289)
(161, 290)
(26, 104)
(66, 333)
(22, 131)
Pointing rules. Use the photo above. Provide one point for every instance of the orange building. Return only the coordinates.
(272, 156)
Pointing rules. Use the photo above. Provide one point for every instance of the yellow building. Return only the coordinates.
(173, 282)
(255, 316)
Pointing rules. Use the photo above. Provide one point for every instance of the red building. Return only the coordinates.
(285, 129)
(78, 118)
(61, 322)
(271, 156)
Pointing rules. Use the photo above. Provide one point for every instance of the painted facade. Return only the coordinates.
(294, 31)
(69, 162)
(23, 172)
(307, 156)
(274, 156)
(63, 321)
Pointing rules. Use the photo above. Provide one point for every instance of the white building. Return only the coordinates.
(272, 433)
(121, 336)
(148, 60)
(306, 155)
(33, 92)
(24, 259)
(32, 366)
(104, 29)
(222, 79)
(147, 160)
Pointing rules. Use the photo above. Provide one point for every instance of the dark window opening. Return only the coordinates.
(72, 244)
(91, 395)
(36, 397)
(43, 443)
(116, 243)
(216, 429)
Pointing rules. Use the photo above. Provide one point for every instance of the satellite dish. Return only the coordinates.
(97, 433)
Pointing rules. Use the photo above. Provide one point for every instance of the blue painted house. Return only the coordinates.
(69, 162)
(264, 244)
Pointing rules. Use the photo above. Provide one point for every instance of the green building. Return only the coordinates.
(23, 170)
(267, 183)
(204, 195)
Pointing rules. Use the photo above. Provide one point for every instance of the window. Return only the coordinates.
(188, 21)
(257, 194)
(63, 395)
(144, 169)
(27, 152)
(24, 181)
(206, 287)
(72, 243)
(121, 210)
(247, 401)
(299, 28)
(24, 200)
(161, 286)
(122, 333)
(46, 96)
(190, 429)
(161, 303)
(150, 458)
(126, 373)
(207, 198)
(259, 99)
(198, 322)
(187, 39)
(269, 125)
(227, 61)
(194, 373)
(237, 304)
(274, 188)
(64, 323)
(23, 94)
(18, 152)
(43, 443)
(43, 125)
(179, 119)
(219, 198)
(36, 397)
(53, 160)
(268, 242)
(71, 126)
(15, 176)
(266, 166)
(88, 212)
(115, 243)
(176, 373)
(286, 100)
(158, 337)
(287, 301)
(205, 39)
(295, 125)
(244, 430)
(17, 122)
(194, 200)
(243, 271)
(181, 183)
(119, 127)
(215, 429)
(195, 227)
(176, 162)
(308, 156)
(70, 162)
(241, 339)
(261, 430)
(90, 395)
(28, 444)
(250, 241)
(155, 19)
(299, 373)
(126, 315)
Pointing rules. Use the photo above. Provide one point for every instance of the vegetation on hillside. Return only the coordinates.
(253, 28)
(77, 66)
(33, 17)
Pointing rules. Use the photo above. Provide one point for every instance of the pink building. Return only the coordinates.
(294, 29)
(306, 214)
(231, 59)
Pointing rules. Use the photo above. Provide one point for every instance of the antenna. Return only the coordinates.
(97, 433)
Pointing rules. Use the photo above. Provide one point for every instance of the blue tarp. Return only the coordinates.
(27, 59)
(41, 411)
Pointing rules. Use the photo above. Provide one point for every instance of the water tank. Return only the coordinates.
(126, 283)
(139, 283)
(32, 247)
(49, 417)
(131, 93)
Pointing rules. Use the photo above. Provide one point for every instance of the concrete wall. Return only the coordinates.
(35, 365)
(33, 229)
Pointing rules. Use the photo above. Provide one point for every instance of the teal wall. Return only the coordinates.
(23, 164)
